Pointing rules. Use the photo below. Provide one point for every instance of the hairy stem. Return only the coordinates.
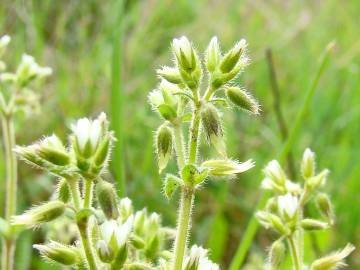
(11, 188)
(194, 136)
(295, 256)
(88, 193)
(179, 146)
(75, 193)
(86, 242)
(187, 198)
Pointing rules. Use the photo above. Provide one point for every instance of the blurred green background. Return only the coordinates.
(104, 55)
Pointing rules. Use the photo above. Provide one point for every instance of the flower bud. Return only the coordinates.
(308, 164)
(105, 253)
(102, 153)
(274, 171)
(226, 167)
(242, 99)
(171, 183)
(120, 257)
(59, 253)
(126, 208)
(29, 70)
(288, 206)
(211, 123)
(213, 54)
(316, 181)
(196, 254)
(155, 98)
(4, 42)
(164, 145)
(152, 247)
(53, 151)
(138, 266)
(277, 254)
(184, 53)
(170, 74)
(137, 242)
(231, 58)
(309, 224)
(139, 221)
(106, 196)
(40, 214)
(325, 207)
(277, 224)
(63, 191)
(29, 154)
(334, 260)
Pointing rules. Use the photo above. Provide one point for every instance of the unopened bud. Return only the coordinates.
(138, 266)
(139, 221)
(137, 242)
(29, 70)
(213, 54)
(152, 247)
(40, 214)
(318, 180)
(274, 171)
(277, 254)
(164, 145)
(288, 206)
(226, 167)
(171, 183)
(231, 58)
(325, 207)
(242, 99)
(309, 224)
(63, 191)
(126, 208)
(52, 150)
(184, 53)
(59, 253)
(102, 152)
(170, 74)
(211, 123)
(120, 257)
(308, 164)
(106, 196)
(104, 252)
(334, 260)
(277, 224)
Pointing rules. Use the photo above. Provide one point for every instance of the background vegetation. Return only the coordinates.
(104, 55)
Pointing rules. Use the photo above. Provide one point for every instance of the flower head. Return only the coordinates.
(288, 206)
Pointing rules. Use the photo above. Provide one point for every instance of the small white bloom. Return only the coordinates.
(288, 205)
(274, 171)
(123, 231)
(114, 228)
(182, 45)
(227, 167)
(292, 187)
(308, 164)
(155, 98)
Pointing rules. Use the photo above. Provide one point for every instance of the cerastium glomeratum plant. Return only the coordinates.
(284, 213)
(183, 96)
(16, 94)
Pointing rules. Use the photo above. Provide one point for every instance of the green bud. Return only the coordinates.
(126, 208)
(137, 242)
(325, 207)
(213, 54)
(308, 164)
(188, 174)
(242, 99)
(107, 198)
(274, 172)
(334, 260)
(171, 183)
(120, 257)
(316, 181)
(277, 224)
(313, 224)
(40, 214)
(152, 247)
(102, 151)
(167, 112)
(137, 266)
(63, 191)
(231, 58)
(139, 221)
(226, 167)
(184, 53)
(164, 145)
(211, 123)
(105, 253)
(59, 253)
(170, 74)
(277, 254)
(53, 151)
(29, 154)
(28, 70)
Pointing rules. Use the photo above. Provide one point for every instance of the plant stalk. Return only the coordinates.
(179, 146)
(295, 256)
(88, 193)
(11, 188)
(187, 198)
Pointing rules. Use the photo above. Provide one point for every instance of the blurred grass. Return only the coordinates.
(77, 39)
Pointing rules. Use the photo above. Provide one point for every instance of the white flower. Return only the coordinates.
(155, 98)
(274, 171)
(182, 45)
(308, 164)
(198, 259)
(54, 142)
(30, 70)
(227, 167)
(113, 228)
(288, 205)
(89, 131)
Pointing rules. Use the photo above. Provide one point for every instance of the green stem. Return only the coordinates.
(295, 256)
(89, 253)
(75, 193)
(187, 198)
(88, 193)
(11, 188)
(194, 136)
(179, 146)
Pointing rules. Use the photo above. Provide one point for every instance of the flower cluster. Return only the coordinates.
(284, 213)
(21, 97)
